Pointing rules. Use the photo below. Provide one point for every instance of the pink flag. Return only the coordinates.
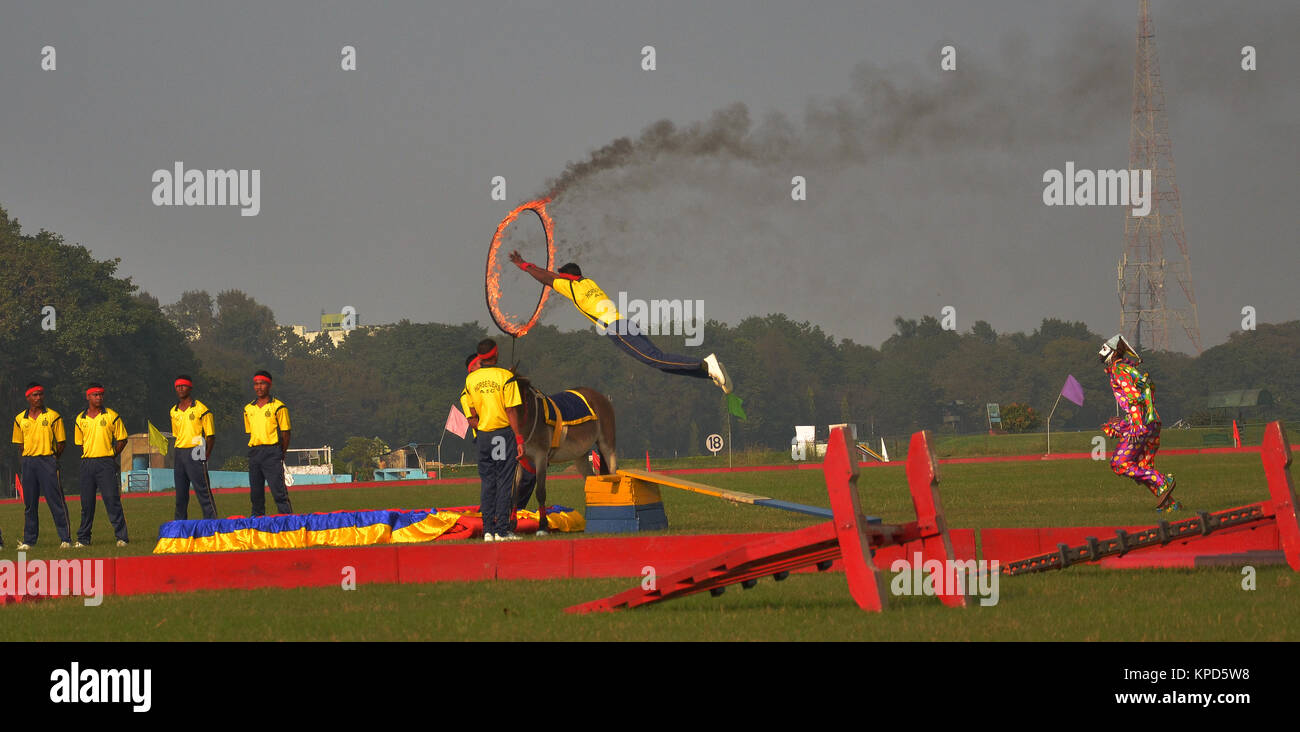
(1073, 390)
(456, 423)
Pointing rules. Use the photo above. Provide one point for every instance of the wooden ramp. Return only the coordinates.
(866, 451)
(673, 481)
(849, 536)
(1279, 512)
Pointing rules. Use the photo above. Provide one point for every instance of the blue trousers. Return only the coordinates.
(631, 341)
(266, 465)
(41, 478)
(497, 457)
(188, 471)
(100, 474)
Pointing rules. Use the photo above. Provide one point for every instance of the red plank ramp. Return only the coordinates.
(1276, 455)
(923, 483)
(849, 537)
(1243, 533)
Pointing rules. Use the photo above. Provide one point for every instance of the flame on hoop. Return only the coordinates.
(492, 282)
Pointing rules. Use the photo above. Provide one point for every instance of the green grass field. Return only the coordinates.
(1077, 604)
(952, 446)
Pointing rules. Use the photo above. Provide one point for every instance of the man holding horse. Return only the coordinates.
(492, 395)
(527, 479)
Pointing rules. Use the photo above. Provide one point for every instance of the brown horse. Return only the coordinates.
(575, 442)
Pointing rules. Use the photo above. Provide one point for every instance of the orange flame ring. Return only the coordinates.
(492, 281)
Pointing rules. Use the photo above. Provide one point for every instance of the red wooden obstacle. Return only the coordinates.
(849, 536)
(1279, 510)
(1276, 455)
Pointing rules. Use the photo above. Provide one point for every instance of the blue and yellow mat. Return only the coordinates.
(344, 528)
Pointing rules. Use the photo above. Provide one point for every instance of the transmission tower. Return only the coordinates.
(1145, 311)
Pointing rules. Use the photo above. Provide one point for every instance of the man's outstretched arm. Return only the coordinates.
(544, 276)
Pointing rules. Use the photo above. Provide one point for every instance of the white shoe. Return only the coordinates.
(542, 532)
(121, 543)
(717, 373)
(24, 547)
(489, 537)
(65, 545)
(79, 545)
(512, 536)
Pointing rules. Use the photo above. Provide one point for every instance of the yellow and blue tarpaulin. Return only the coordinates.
(343, 528)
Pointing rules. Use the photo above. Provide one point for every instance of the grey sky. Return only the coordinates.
(375, 183)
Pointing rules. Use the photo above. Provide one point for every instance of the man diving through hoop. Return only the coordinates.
(596, 306)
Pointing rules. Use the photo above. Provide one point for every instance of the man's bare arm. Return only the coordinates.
(544, 276)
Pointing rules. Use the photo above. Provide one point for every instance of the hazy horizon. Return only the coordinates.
(924, 187)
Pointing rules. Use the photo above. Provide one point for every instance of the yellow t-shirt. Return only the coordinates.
(590, 300)
(97, 434)
(265, 423)
(489, 391)
(190, 426)
(39, 436)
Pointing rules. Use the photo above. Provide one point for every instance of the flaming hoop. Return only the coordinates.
(492, 283)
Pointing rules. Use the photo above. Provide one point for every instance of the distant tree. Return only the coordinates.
(67, 318)
(1052, 329)
(245, 326)
(983, 332)
(906, 328)
(1017, 417)
(358, 457)
(192, 313)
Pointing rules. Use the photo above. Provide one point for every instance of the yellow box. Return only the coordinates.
(614, 490)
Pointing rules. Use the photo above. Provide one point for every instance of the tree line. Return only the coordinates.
(394, 384)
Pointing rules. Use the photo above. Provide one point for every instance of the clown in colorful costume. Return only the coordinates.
(1138, 429)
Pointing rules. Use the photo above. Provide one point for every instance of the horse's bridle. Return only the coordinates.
(536, 395)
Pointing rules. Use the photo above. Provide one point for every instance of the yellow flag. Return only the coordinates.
(157, 440)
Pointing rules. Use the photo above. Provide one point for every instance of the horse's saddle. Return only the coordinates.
(563, 410)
